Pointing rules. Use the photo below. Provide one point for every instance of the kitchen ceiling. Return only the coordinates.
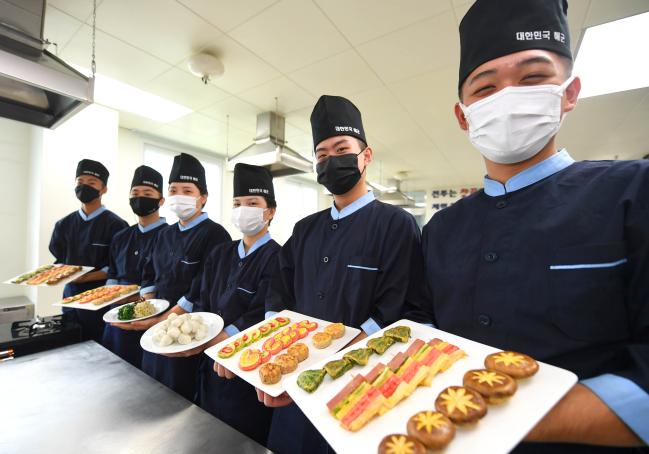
(396, 60)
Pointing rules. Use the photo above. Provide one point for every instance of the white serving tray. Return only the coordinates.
(499, 431)
(315, 355)
(159, 305)
(96, 307)
(214, 326)
(84, 270)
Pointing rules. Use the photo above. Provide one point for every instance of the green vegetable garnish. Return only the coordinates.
(126, 312)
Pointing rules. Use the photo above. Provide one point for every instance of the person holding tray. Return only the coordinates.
(234, 284)
(552, 258)
(358, 263)
(177, 260)
(129, 250)
(83, 237)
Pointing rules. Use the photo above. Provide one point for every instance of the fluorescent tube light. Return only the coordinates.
(127, 98)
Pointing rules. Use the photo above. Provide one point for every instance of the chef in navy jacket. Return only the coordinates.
(178, 258)
(358, 262)
(83, 237)
(552, 257)
(234, 284)
(129, 250)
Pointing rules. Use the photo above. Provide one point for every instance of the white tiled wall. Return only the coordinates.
(15, 142)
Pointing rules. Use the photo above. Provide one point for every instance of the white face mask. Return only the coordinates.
(249, 220)
(183, 206)
(515, 123)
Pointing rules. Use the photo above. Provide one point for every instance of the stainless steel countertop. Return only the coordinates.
(83, 399)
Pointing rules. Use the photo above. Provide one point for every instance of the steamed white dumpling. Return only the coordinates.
(200, 334)
(173, 332)
(157, 336)
(196, 318)
(163, 324)
(166, 340)
(172, 316)
(196, 326)
(176, 322)
(186, 328)
(184, 339)
(183, 317)
(160, 332)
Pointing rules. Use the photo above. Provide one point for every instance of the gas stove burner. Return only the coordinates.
(38, 334)
(37, 327)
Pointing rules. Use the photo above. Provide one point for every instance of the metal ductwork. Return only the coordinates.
(269, 149)
(36, 87)
(394, 196)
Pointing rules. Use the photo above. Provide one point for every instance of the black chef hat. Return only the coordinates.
(188, 169)
(92, 168)
(492, 29)
(146, 176)
(253, 180)
(335, 116)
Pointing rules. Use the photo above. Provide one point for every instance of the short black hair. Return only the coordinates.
(361, 144)
(270, 203)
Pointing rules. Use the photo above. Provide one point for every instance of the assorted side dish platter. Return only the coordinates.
(135, 311)
(273, 351)
(99, 297)
(50, 275)
(410, 388)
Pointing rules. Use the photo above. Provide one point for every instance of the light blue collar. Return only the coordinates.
(92, 215)
(153, 226)
(527, 177)
(194, 223)
(259, 243)
(352, 207)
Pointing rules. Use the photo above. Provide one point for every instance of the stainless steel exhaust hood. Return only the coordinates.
(394, 196)
(36, 87)
(269, 149)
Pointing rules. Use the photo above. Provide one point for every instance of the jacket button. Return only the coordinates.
(320, 295)
(325, 259)
(501, 204)
(136, 253)
(484, 320)
(491, 257)
(334, 226)
(240, 264)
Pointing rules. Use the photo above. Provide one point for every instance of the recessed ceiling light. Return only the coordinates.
(127, 98)
(612, 57)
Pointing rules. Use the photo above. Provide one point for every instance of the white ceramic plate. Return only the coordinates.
(214, 326)
(499, 431)
(159, 307)
(315, 354)
(84, 270)
(96, 307)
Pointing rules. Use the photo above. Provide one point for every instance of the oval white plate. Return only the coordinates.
(159, 305)
(214, 326)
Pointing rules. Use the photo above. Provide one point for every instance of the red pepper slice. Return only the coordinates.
(226, 352)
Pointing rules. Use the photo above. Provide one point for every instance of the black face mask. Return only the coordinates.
(144, 206)
(86, 193)
(339, 174)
